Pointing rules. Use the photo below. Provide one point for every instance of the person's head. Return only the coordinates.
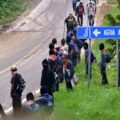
(51, 46)
(85, 46)
(91, 4)
(65, 59)
(54, 41)
(30, 97)
(81, 3)
(70, 15)
(45, 64)
(63, 42)
(101, 46)
(13, 69)
(57, 47)
(51, 52)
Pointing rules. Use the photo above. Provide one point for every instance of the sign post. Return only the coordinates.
(89, 63)
(103, 32)
(117, 64)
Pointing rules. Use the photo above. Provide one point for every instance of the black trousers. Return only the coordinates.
(74, 6)
(91, 20)
(80, 19)
(45, 90)
(68, 84)
(104, 76)
(17, 104)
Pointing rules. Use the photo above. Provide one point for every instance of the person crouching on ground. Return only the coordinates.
(30, 104)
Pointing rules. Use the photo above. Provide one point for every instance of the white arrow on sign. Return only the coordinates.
(96, 32)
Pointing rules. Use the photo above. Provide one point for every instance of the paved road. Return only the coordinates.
(28, 45)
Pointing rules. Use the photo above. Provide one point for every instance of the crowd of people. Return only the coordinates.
(58, 68)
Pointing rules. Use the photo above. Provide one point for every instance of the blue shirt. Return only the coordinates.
(74, 1)
(103, 59)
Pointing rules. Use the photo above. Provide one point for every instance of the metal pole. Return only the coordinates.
(117, 64)
(89, 57)
(89, 64)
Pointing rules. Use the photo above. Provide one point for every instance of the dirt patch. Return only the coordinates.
(102, 10)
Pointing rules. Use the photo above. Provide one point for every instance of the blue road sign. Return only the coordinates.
(82, 32)
(112, 32)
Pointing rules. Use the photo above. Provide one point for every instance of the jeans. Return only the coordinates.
(91, 20)
(74, 6)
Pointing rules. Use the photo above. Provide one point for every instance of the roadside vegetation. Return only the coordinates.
(97, 102)
(10, 9)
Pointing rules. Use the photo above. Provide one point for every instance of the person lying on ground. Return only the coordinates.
(45, 100)
(30, 104)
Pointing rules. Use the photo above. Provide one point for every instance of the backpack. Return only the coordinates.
(93, 58)
(79, 43)
(108, 58)
(81, 10)
(20, 85)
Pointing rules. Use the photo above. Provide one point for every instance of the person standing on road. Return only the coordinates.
(17, 86)
(79, 12)
(53, 64)
(91, 13)
(103, 64)
(47, 79)
(70, 22)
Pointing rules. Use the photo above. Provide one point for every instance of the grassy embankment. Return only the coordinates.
(96, 103)
(10, 9)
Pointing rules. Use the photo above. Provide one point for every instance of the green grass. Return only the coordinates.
(96, 103)
(10, 9)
